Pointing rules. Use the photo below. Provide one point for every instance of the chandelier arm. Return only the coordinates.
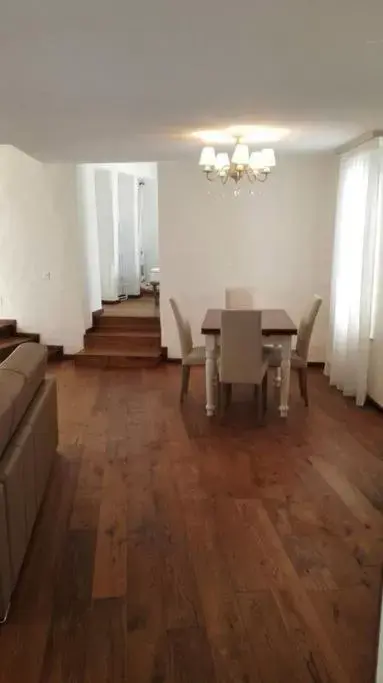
(211, 175)
(262, 177)
(252, 176)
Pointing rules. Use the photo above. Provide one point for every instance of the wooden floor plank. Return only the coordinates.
(272, 643)
(109, 580)
(297, 610)
(225, 630)
(106, 656)
(345, 614)
(65, 655)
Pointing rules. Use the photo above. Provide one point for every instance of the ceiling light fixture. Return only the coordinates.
(254, 165)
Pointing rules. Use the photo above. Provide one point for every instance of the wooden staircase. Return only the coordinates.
(122, 342)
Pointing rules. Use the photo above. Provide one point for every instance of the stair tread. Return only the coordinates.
(7, 342)
(123, 332)
(139, 353)
(120, 320)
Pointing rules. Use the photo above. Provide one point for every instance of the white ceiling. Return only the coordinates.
(96, 80)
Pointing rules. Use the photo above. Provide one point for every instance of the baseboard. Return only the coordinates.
(371, 401)
(316, 364)
(55, 352)
(112, 302)
(164, 353)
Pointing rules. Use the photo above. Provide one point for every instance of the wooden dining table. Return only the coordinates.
(277, 329)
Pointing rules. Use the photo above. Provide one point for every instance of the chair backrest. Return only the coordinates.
(239, 298)
(241, 357)
(184, 331)
(306, 328)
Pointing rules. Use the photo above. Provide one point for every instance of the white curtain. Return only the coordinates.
(128, 242)
(358, 222)
(106, 234)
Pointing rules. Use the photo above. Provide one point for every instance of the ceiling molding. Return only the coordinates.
(360, 140)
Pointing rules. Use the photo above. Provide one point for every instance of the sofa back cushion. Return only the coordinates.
(21, 374)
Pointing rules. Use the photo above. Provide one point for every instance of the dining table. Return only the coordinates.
(277, 329)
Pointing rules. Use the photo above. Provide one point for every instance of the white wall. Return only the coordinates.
(41, 266)
(88, 221)
(278, 241)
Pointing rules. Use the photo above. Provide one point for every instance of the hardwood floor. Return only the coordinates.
(172, 548)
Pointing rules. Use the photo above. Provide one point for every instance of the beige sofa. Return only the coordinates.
(28, 443)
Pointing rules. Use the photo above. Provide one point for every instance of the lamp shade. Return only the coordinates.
(256, 161)
(240, 155)
(207, 157)
(222, 161)
(268, 158)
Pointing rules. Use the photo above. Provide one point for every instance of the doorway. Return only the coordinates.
(124, 200)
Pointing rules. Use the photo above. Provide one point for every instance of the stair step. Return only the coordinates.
(117, 358)
(123, 339)
(32, 336)
(7, 328)
(132, 323)
(9, 344)
(124, 332)
(13, 342)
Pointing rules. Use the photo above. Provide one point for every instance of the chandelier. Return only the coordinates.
(255, 166)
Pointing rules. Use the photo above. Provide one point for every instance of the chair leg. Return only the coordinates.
(185, 381)
(302, 377)
(222, 399)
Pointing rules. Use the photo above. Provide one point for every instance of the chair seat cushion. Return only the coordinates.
(263, 368)
(197, 356)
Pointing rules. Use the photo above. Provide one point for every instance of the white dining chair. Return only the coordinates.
(299, 356)
(242, 358)
(240, 298)
(191, 355)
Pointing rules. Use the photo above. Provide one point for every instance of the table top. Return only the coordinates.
(274, 321)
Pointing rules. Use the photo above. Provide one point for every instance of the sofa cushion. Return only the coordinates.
(21, 374)
(13, 480)
(11, 386)
(5, 560)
